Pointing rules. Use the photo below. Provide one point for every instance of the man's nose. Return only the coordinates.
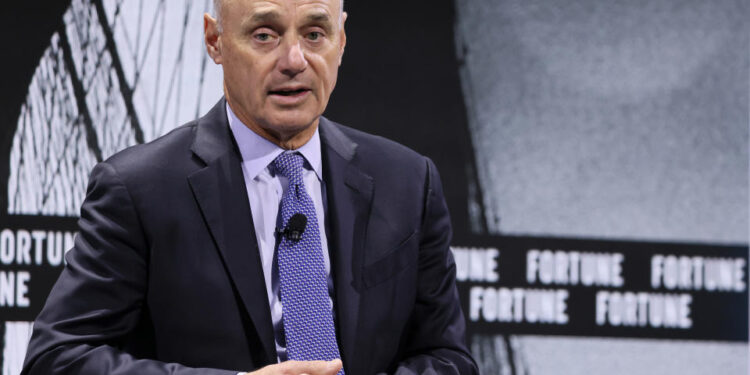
(293, 59)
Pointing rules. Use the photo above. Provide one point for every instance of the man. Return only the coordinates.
(187, 245)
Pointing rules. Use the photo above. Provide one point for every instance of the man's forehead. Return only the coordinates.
(279, 6)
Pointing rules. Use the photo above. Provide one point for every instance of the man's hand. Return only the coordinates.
(301, 368)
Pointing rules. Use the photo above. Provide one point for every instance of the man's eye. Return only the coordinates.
(263, 37)
(315, 35)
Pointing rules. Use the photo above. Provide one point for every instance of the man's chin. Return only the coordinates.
(288, 127)
(290, 124)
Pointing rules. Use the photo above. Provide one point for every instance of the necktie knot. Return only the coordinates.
(289, 165)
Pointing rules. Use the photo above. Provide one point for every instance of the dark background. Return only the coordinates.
(399, 79)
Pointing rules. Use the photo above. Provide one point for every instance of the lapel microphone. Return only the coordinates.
(294, 228)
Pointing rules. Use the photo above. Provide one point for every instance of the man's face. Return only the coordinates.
(280, 60)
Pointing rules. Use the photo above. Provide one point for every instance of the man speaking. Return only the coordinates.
(261, 237)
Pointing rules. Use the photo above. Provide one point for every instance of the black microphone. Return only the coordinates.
(294, 228)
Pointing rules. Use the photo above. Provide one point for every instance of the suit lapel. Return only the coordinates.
(349, 192)
(219, 189)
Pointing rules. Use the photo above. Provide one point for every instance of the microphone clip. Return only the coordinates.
(294, 228)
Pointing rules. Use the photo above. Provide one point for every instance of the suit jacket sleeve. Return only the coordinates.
(99, 299)
(436, 344)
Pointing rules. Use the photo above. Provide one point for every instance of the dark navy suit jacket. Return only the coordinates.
(165, 276)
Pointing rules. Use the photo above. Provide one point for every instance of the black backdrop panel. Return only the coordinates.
(554, 286)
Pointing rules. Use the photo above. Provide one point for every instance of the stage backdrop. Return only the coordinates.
(594, 155)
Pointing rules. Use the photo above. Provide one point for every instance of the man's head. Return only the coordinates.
(280, 61)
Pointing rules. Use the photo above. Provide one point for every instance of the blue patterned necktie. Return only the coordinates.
(308, 319)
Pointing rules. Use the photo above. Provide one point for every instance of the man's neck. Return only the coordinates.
(294, 142)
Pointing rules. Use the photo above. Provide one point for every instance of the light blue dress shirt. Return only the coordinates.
(264, 191)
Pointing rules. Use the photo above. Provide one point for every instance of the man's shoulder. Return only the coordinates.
(159, 155)
(378, 152)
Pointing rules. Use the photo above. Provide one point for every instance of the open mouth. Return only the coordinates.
(288, 92)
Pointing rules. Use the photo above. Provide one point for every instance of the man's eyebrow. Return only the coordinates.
(265, 16)
(318, 17)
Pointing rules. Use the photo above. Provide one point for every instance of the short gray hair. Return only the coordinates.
(217, 12)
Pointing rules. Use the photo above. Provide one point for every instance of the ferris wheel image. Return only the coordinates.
(116, 73)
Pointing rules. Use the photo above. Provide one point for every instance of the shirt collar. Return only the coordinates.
(257, 152)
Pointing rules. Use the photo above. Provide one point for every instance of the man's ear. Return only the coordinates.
(212, 37)
(342, 38)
